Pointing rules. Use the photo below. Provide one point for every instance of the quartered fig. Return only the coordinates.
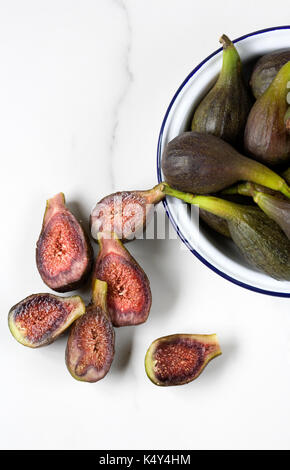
(129, 294)
(266, 136)
(259, 238)
(179, 359)
(126, 213)
(266, 70)
(202, 164)
(63, 255)
(40, 318)
(224, 110)
(91, 343)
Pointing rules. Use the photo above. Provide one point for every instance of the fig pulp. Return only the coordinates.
(259, 238)
(40, 318)
(224, 110)
(125, 213)
(91, 343)
(201, 163)
(266, 70)
(179, 359)
(266, 136)
(63, 255)
(129, 294)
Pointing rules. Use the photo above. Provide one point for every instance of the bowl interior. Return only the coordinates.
(216, 251)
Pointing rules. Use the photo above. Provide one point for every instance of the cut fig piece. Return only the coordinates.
(64, 254)
(129, 295)
(179, 359)
(91, 343)
(125, 213)
(40, 318)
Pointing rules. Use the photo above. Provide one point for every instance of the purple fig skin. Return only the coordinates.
(126, 213)
(266, 136)
(64, 255)
(276, 208)
(266, 70)
(129, 294)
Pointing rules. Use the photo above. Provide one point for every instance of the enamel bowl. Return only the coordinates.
(215, 251)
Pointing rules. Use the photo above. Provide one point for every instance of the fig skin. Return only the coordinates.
(91, 343)
(223, 112)
(65, 263)
(179, 359)
(215, 223)
(286, 175)
(266, 137)
(203, 164)
(266, 70)
(26, 319)
(259, 239)
(126, 213)
(129, 294)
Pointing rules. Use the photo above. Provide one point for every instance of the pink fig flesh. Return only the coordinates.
(129, 295)
(63, 254)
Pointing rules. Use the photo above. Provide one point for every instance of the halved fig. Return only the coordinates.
(63, 254)
(91, 343)
(126, 213)
(179, 359)
(129, 295)
(40, 318)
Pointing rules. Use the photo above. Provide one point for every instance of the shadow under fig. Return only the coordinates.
(124, 338)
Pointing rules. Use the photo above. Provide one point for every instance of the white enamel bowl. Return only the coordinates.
(215, 251)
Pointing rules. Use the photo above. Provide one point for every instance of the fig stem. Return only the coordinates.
(231, 58)
(225, 209)
(99, 295)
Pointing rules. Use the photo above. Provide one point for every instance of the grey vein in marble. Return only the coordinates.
(123, 92)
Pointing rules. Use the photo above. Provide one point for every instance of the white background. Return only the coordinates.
(84, 86)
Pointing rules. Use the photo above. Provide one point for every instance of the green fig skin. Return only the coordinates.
(216, 223)
(41, 318)
(225, 109)
(126, 213)
(129, 294)
(91, 343)
(266, 70)
(64, 255)
(266, 137)
(286, 176)
(180, 359)
(259, 238)
(204, 164)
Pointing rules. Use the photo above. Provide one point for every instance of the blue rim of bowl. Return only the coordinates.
(165, 204)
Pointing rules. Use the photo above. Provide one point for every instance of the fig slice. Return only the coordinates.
(125, 213)
(129, 295)
(40, 318)
(63, 254)
(179, 359)
(91, 343)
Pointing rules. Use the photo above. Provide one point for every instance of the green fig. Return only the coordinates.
(259, 238)
(275, 206)
(266, 70)
(266, 137)
(286, 176)
(40, 318)
(179, 359)
(129, 294)
(224, 110)
(91, 343)
(126, 213)
(202, 163)
(64, 254)
(216, 223)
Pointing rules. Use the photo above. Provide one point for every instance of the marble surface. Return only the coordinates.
(84, 86)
